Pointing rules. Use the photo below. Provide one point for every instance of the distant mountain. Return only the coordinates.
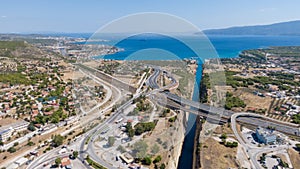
(283, 28)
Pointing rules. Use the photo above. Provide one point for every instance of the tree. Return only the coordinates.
(57, 140)
(31, 127)
(57, 161)
(223, 136)
(16, 143)
(75, 154)
(162, 166)
(157, 159)
(298, 147)
(111, 141)
(121, 149)
(12, 149)
(147, 161)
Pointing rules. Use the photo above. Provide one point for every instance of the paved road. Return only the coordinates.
(252, 151)
(207, 110)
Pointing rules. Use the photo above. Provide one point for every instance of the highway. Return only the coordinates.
(216, 113)
(163, 97)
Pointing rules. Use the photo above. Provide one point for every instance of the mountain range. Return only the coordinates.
(291, 28)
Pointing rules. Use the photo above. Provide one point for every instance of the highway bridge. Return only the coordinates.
(216, 114)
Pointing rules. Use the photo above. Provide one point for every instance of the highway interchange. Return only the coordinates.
(219, 115)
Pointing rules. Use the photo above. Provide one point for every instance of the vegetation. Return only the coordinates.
(155, 149)
(298, 147)
(232, 101)
(140, 149)
(111, 141)
(140, 128)
(57, 161)
(57, 140)
(12, 149)
(296, 118)
(14, 78)
(157, 159)
(231, 144)
(121, 149)
(146, 161)
(94, 164)
(172, 119)
(130, 130)
(11, 45)
(31, 127)
(223, 136)
(75, 154)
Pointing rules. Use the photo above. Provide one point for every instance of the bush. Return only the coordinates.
(231, 144)
(223, 136)
(57, 140)
(140, 128)
(157, 159)
(12, 149)
(172, 119)
(147, 161)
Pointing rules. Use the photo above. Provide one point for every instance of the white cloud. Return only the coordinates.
(3, 16)
(267, 9)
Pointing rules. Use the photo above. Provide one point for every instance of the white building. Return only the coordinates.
(5, 134)
(8, 131)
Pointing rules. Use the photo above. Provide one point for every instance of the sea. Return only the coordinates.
(158, 47)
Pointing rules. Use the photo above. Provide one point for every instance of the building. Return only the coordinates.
(265, 136)
(66, 163)
(127, 158)
(20, 126)
(5, 134)
(8, 131)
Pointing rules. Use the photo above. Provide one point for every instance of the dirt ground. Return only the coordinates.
(295, 158)
(252, 100)
(223, 129)
(216, 156)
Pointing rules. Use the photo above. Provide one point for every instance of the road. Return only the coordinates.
(252, 151)
(220, 113)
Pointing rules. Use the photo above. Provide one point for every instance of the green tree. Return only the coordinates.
(57, 140)
(12, 149)
(57, 161)
(31, 127)
(157, 159)
(147, 161)
(223, 136)
(75, 154)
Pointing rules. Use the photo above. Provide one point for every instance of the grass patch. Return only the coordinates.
(94, 164)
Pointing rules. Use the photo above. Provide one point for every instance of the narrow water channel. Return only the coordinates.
(186, 157)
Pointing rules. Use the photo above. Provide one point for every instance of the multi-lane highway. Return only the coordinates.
(220, 113)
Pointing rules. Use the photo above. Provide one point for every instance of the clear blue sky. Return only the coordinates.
(89, 15)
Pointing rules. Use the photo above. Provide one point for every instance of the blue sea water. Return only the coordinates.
(225, 46)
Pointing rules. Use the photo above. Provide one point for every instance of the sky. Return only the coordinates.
(29, 16)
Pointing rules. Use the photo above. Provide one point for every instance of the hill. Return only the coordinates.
(291, 28)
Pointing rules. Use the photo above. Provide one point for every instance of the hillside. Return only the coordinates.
(291, 28)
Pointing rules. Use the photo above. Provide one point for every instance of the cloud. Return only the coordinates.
(267, 9)
(3, 16)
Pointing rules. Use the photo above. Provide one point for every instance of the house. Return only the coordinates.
(127, 158)
(66, 163)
